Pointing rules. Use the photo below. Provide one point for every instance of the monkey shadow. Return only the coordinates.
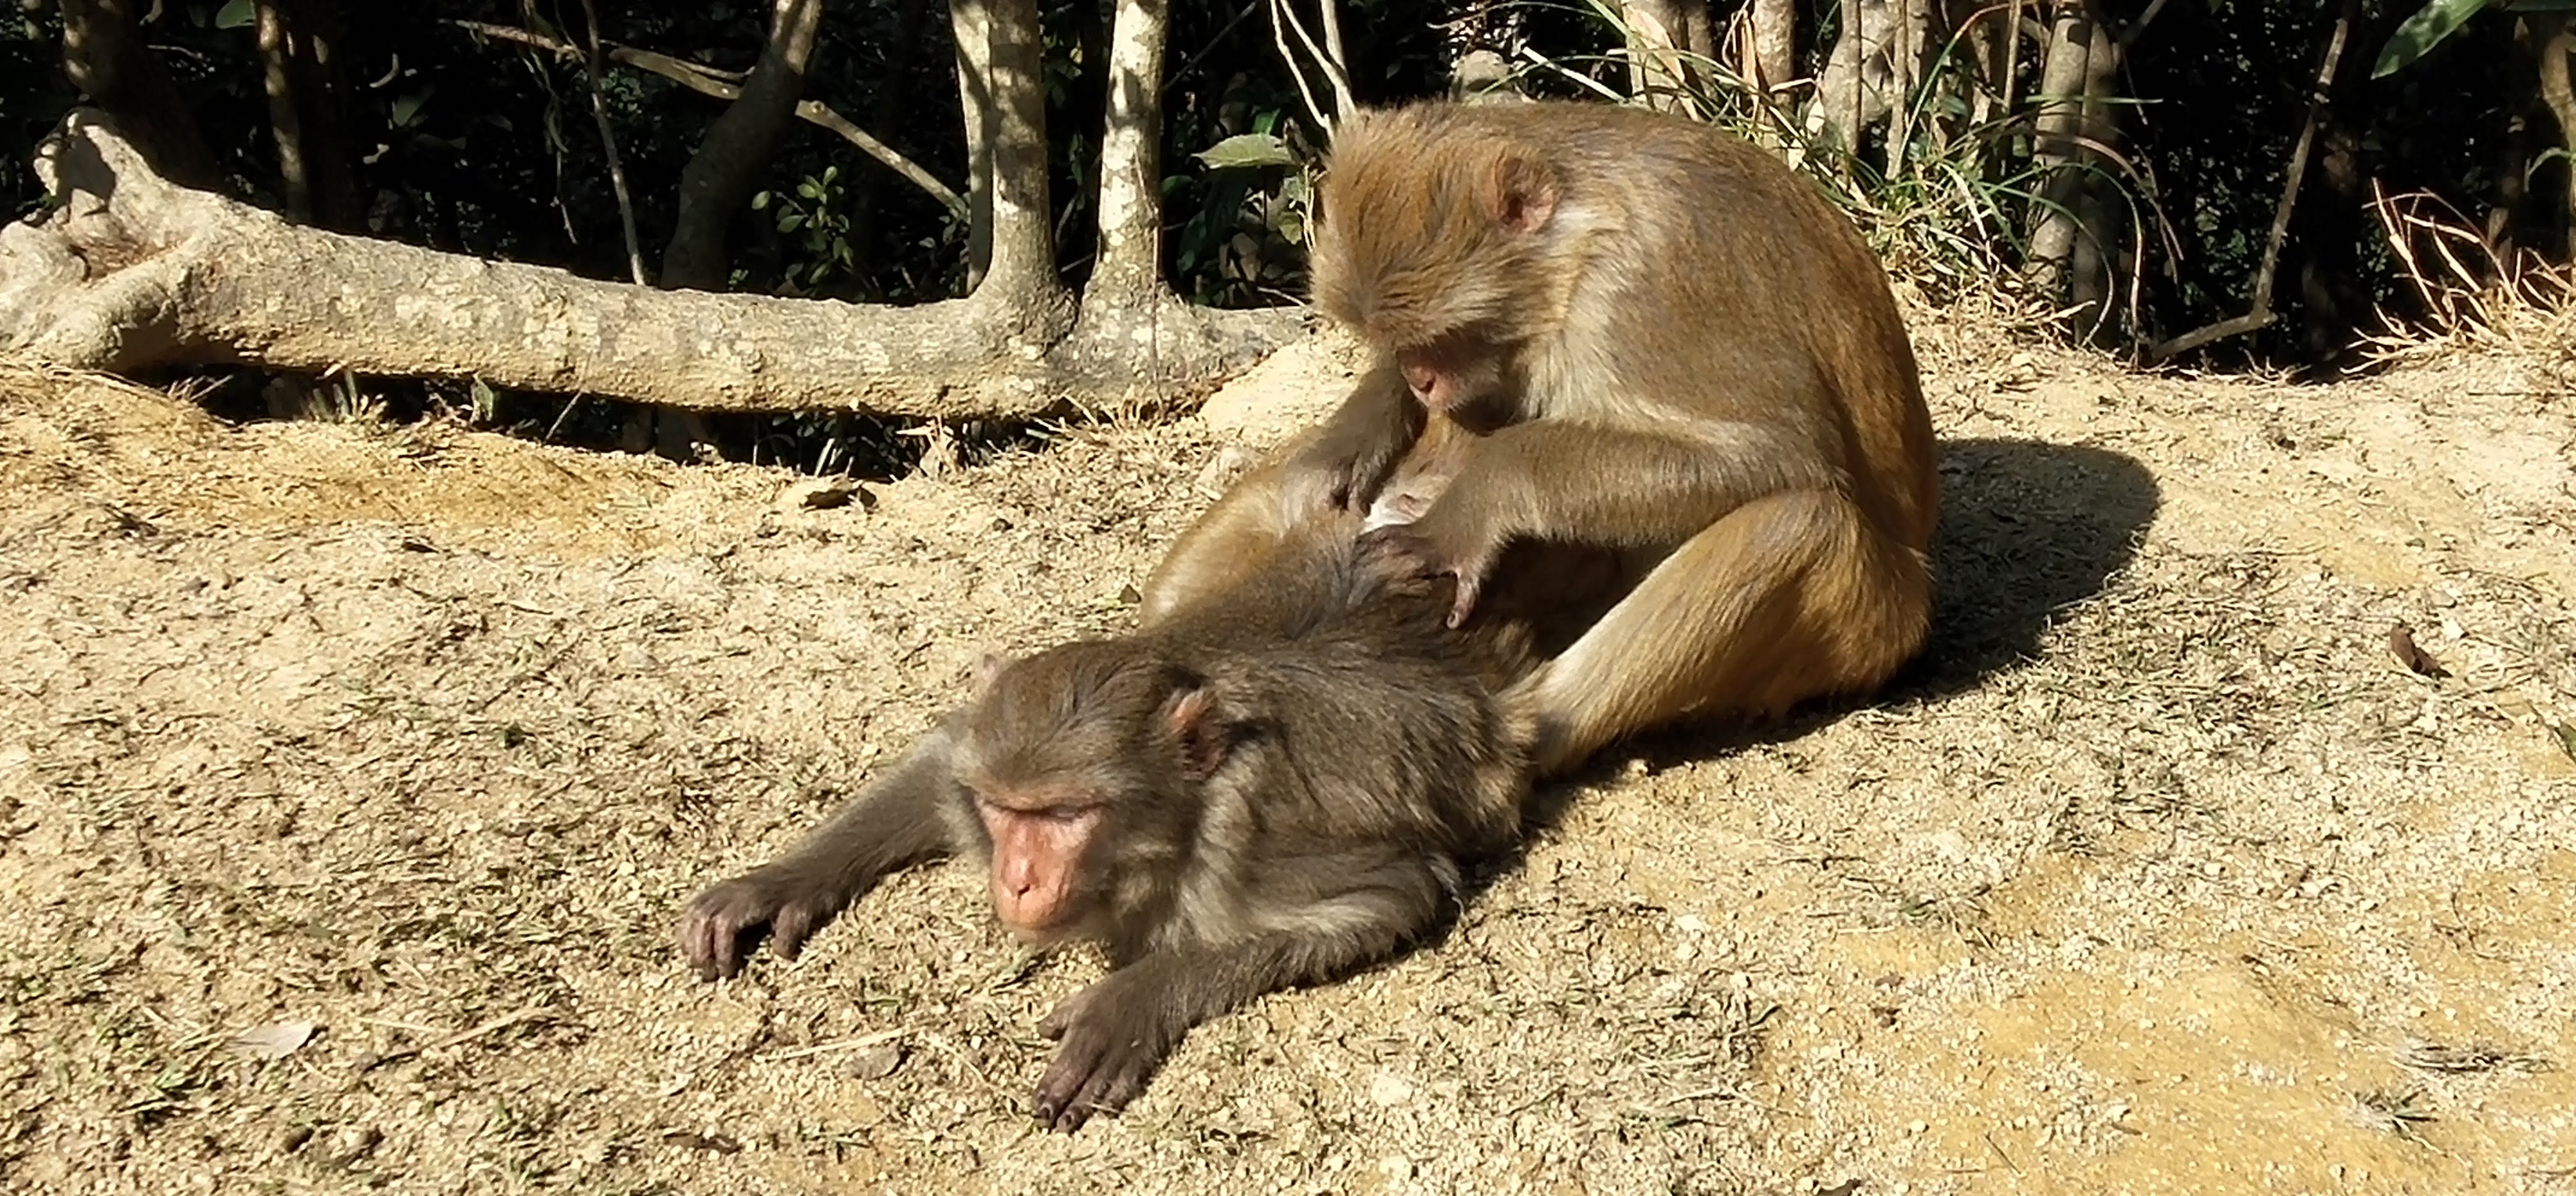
(2027, 529)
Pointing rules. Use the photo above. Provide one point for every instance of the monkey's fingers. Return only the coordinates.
(1094, 1074)
(1463, 602)
(707, 943)
(790, 927)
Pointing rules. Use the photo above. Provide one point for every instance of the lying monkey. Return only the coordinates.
(1271, 784)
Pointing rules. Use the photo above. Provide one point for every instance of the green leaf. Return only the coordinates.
(235, 14)
(759, 201)
(406, 108)
(2423, 31)
(791, 222)
(1247, 149)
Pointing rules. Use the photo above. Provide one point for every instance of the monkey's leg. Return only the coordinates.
(1226, 545)
(1792, 596)
(895, 821)
(1115, 1034)
(1264, 513)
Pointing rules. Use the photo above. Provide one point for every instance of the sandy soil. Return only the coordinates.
(350, 779)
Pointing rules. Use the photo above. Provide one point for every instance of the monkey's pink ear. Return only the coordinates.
(1519, 194)
(988, 665)
(1191, 718)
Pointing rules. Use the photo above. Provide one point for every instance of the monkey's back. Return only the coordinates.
(1384, 720)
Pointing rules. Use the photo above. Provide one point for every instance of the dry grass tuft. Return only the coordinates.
(2509, 318)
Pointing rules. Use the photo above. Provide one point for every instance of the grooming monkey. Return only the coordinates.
(1272, 783)
(1664, 344)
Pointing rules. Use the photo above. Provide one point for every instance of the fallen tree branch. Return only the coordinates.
(724, 85)
(128, 272)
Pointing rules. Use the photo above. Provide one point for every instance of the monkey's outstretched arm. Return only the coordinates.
(1601, 487)
(1353, 451)
(1622, 487)
(1115, 1034)
(895, 821)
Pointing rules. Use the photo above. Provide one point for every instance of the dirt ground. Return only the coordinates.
(350, 779)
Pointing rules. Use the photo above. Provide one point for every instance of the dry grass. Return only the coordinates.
(2158, 875)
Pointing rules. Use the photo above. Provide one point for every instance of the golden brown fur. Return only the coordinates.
(1670, 349)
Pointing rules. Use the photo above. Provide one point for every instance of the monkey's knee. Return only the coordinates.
(1790, 598)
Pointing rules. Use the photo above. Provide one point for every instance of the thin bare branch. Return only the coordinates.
(1328, 61)
(721, 84)
(608, 143)
(1279, 21)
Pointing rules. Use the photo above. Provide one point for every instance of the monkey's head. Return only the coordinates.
(1083, 766)
(1435, 242)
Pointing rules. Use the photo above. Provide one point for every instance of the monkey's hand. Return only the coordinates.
(1338, 473)
(1425, 548)
(1112, 1037)
(782, 902)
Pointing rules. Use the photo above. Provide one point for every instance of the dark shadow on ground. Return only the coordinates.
(2028, 528)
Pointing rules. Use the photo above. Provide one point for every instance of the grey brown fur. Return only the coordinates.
(1347, 753)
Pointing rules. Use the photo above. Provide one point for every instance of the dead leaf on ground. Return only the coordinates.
(878, 1061)
(275, 1040)
(824, 495)
(697, 1141)
(2401, 643)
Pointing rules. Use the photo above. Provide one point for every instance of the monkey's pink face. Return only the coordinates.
(1437, 375)
(1039, 840)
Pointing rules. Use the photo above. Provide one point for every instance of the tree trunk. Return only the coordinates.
(2075, 126)
(2334, 294)
(2556, 37)
(1773, 26)
(299, 60)
(1130, 204)
(1908, 47)
(1871, 67)
(1024, 265)
(717, 183)
(1992, 33)
(1655, 35)
(2512, 166)
(1699, 36)
(129, 273)
(104, 56)
(971, 23)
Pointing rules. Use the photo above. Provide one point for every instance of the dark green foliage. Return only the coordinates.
(485, 146)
